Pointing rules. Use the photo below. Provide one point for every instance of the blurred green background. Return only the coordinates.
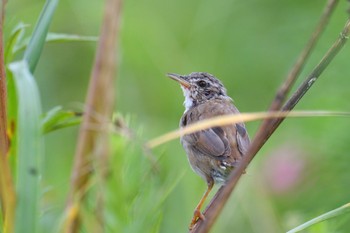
(301, 172)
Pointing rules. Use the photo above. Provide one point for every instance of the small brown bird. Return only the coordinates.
(214, 152)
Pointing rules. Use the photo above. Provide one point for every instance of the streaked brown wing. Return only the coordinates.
(211, 143)
(217, 141)
(242, 138)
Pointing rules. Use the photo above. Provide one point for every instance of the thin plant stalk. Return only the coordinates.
(216, 205)
(304, 55)
(236, 118)
(92, 145)
(331, 214)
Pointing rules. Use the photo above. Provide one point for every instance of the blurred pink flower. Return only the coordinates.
(283, 169)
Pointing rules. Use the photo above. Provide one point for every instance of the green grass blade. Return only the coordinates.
(62, 37)
(29, 147)
(56, 38)
(58, 118)
(331, 214)
(37, 41)
(11, 121)
(13, 41)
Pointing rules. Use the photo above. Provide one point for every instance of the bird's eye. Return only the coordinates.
(202, 83)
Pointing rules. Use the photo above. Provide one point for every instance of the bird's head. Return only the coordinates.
(199, 87)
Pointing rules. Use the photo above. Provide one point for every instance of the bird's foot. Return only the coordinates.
(196, 216)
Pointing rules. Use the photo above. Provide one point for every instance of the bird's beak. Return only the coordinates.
(180, 79)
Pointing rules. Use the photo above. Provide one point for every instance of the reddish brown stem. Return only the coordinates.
(7, 192)
(301, 61)
(269, 126)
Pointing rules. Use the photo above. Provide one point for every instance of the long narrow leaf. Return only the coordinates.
(331, 214)
(57, 118)
(57, 37)
(29, 147)
(37, 41)
(13, 41)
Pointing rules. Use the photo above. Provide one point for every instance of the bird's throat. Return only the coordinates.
(188, 98)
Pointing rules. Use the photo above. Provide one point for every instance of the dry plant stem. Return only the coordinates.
(304, 55)
(315, 74)
(276, 105)
(301, 61)
(92, 145)
(299, 65)
(106, 66)
(233, 119)
(221, 197)
(7, 193)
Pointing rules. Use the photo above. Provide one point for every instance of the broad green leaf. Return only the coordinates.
(37, 40)
(29, 147)
(58, 118)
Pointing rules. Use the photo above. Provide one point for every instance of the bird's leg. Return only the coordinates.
(197, 212)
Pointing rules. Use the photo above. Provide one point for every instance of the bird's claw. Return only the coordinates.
(196, 216)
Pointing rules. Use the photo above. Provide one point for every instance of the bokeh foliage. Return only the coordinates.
(249, 45)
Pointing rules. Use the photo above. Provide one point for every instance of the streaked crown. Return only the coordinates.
(199, 87)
